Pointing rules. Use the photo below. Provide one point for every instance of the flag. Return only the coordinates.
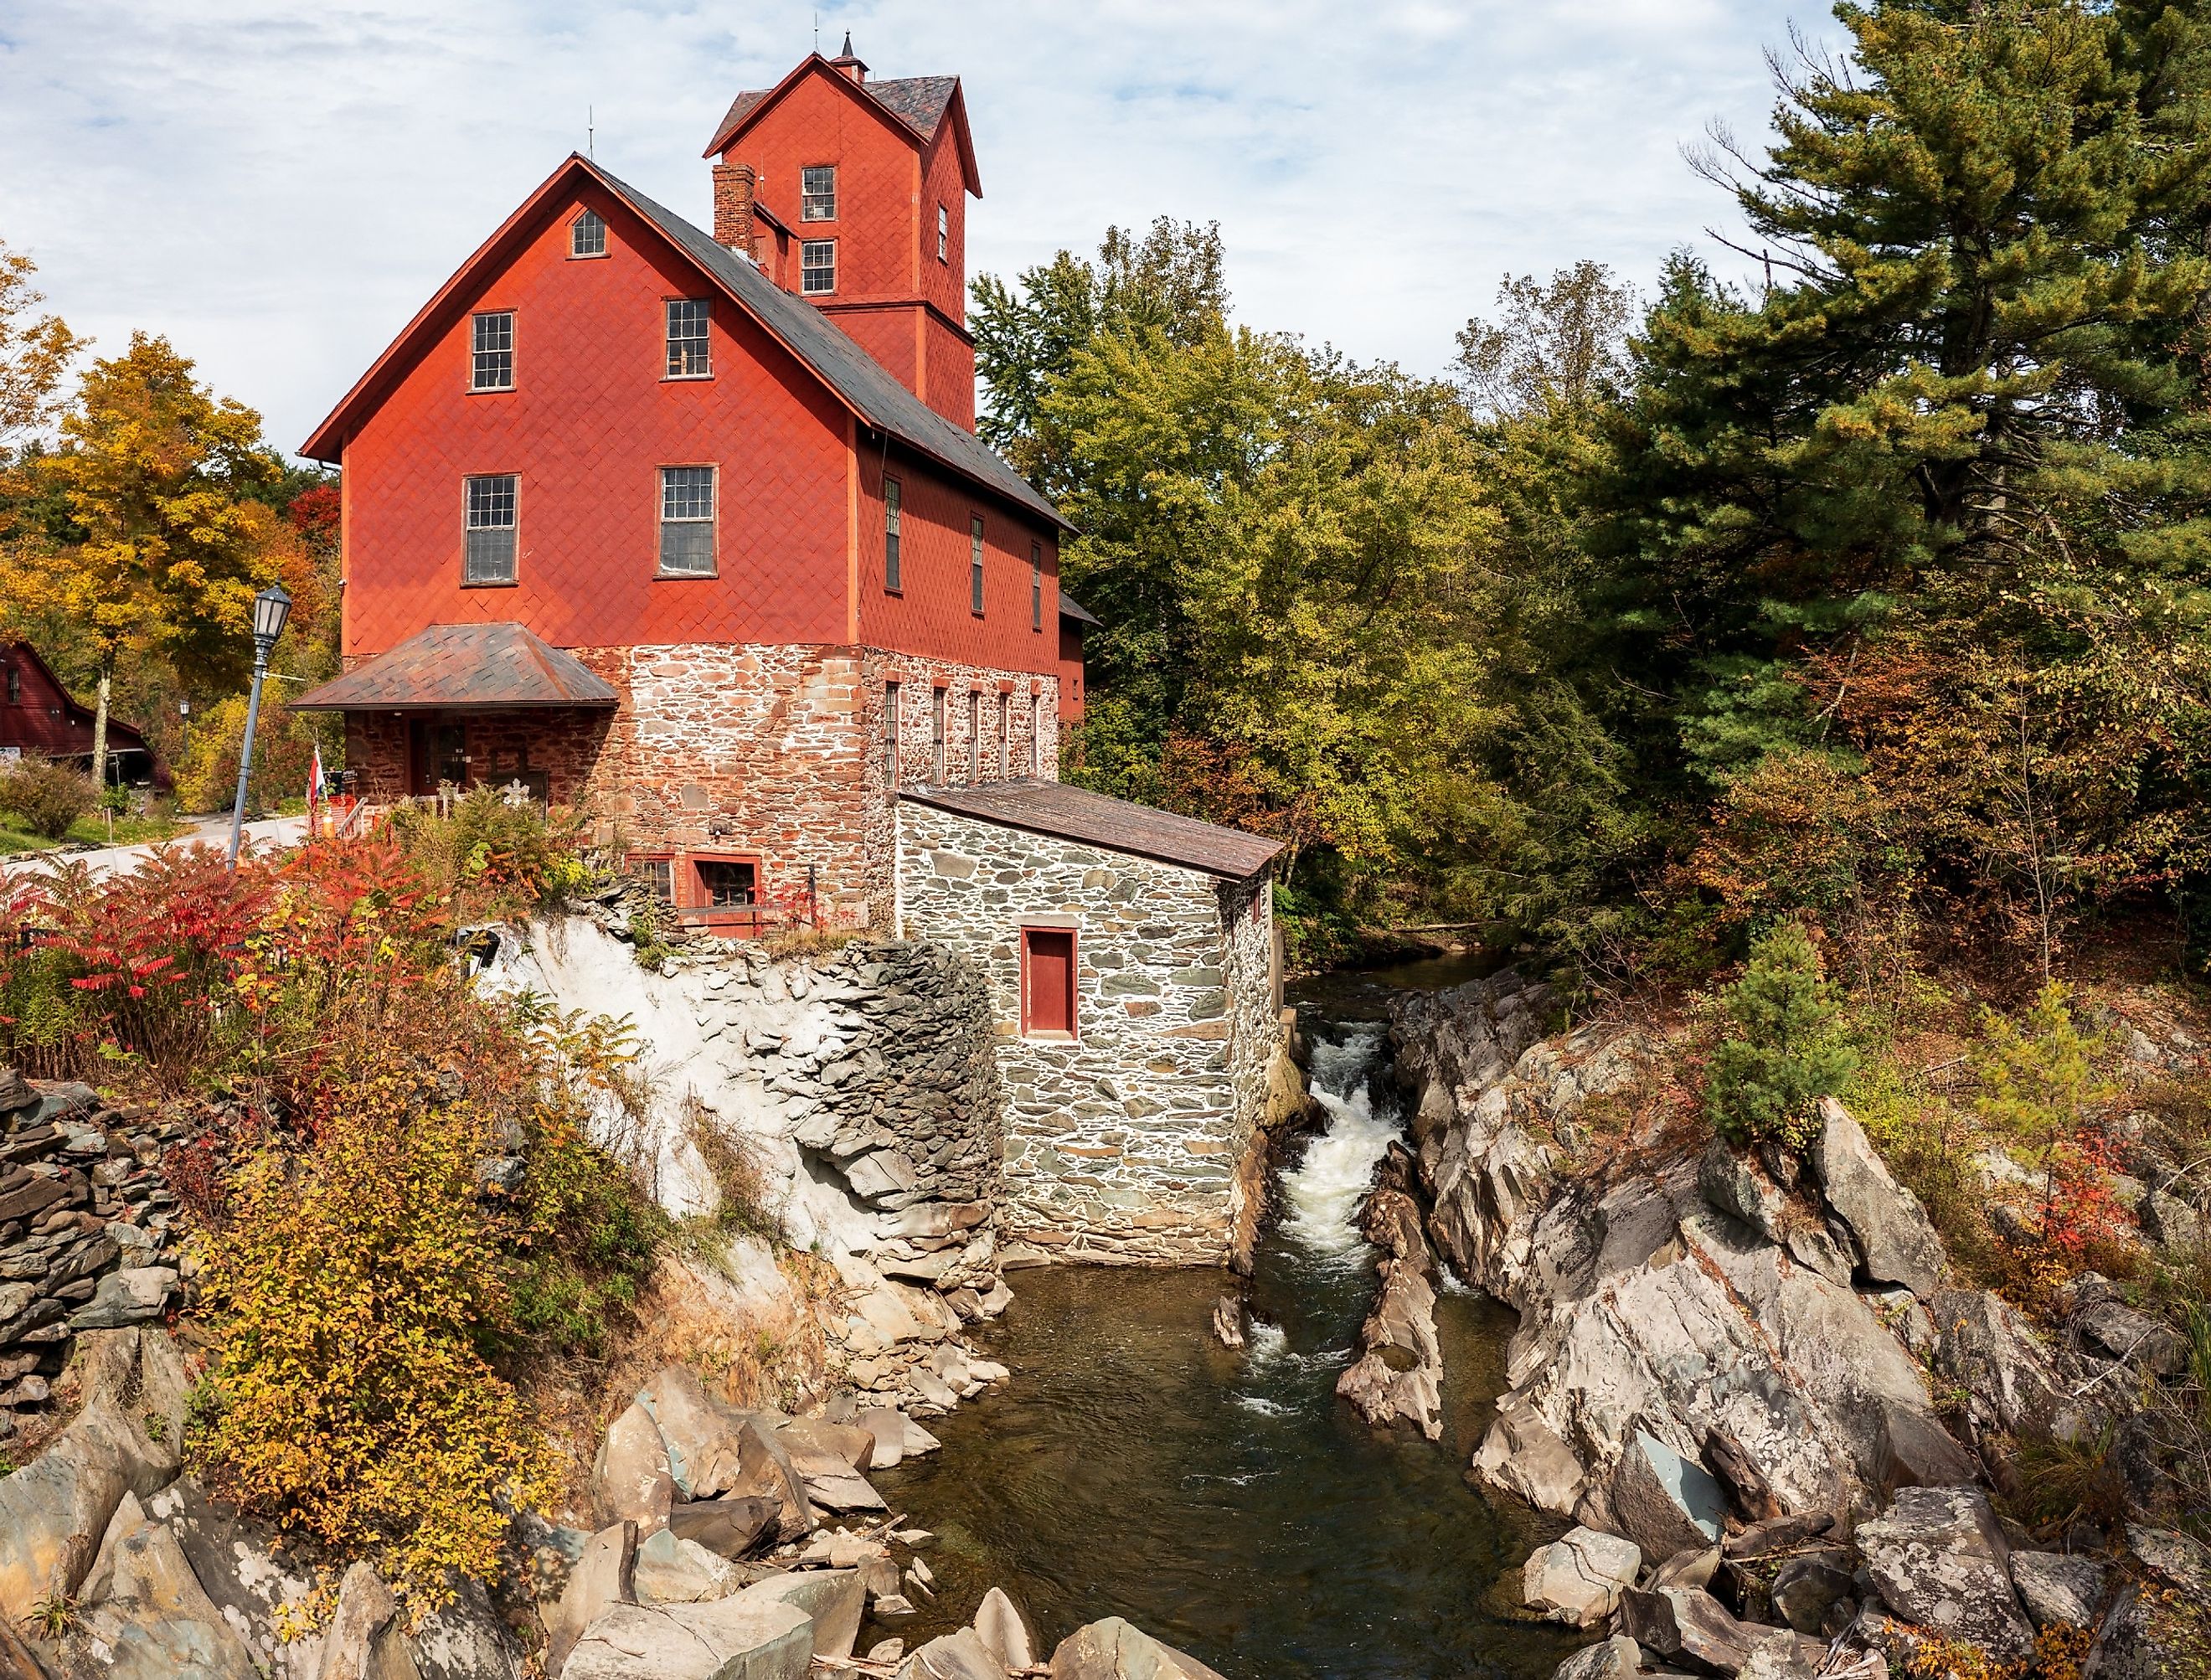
(315, 793)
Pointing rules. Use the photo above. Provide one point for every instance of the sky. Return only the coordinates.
(278, 187)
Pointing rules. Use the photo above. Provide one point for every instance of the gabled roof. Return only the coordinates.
(462, 668)
(121, 736)
(876, 399)
(919, 104)
(1116, 825)
(1071, 608)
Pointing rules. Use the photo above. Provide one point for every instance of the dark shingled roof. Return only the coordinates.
(1071, 608)
(460, 668)
(918, 101)
(857, 377)
(1116, 825)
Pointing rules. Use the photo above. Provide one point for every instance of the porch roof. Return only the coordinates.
(1116, 825)
(462, 668)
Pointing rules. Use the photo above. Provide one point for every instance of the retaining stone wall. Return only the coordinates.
(85, 1218)
(1123, 1146)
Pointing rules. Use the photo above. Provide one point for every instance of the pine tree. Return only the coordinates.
(1786, 1050)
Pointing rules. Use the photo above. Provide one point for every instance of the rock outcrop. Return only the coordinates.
(1399, 1378)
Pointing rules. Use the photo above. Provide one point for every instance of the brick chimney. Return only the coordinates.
(734, 184)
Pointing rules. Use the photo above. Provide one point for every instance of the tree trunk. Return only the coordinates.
(99, 725)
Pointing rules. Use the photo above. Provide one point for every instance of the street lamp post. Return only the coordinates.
(270, 609)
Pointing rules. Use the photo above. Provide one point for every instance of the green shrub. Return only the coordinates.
(1786, 1049)
(491, 858)
(46, 798)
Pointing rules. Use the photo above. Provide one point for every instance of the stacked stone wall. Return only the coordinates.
(1121, 1146)
(773, 751)
(85, 1229)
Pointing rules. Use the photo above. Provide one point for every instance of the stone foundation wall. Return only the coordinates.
(772, 750)
(1122, 1146)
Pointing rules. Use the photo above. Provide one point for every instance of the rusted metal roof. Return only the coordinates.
(1114, 825)
(462, 668)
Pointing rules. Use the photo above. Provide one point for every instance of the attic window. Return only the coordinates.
(817, 193)
(587, 235)
(14, 686)
(492, 347)
(689, 352)
(817, 266)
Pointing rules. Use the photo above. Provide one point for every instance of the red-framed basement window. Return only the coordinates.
(1048, 982)
(719, 889)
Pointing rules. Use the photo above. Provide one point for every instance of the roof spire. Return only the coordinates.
(847, 62)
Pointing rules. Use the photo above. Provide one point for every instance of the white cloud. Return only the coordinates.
(278, 188)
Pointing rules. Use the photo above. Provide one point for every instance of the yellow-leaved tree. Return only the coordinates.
(34, 350)
(160, 476)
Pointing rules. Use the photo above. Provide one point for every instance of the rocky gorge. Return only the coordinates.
(1747, 1386)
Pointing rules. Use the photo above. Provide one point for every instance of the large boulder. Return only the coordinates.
(699, 1440)
(834, 1599)
(54, 1510)
(145, 1615)
(1895, 1241)
(671, 1570)
(729, 1527)
(463, 1638)
(764, 1470)
(956, 1656)
(2114, 1330)
(1616, 1659)
(1687, 1624)
(1116, 1650)
(1398, 1379)
(736, 1638)
(1000, 1624)
(261, 1587)
(1985, 1348)
(365, 1639)
(1940, 1560)
(1663, 1501)
(1579, 1578)
(2057, 1588)
(630, 1478)
(600, 1580)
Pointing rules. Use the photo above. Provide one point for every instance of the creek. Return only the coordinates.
(1227, 1501)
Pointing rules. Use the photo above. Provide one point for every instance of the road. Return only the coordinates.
(274, 832)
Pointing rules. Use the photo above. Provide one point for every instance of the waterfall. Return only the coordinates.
(1325, 1191)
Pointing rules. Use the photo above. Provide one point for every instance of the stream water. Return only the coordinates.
(1227, 1501)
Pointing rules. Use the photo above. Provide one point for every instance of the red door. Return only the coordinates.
(1048, 979)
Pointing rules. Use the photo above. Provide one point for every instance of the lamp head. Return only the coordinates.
(270, 609)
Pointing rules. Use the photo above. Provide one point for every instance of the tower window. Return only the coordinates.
(817, 265)
(894, 515)
(587, 235)
(975, 565)
(687, 521)
(492, 344)
(943, 234)
(487, 556)
(688, 344)
(817, 193)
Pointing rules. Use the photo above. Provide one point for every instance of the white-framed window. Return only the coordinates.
(894, 517)
(943, 234)
(487, 530)
(975, 565)
(587, 235)
(687, 521)
(688, 347)
(491, 364)
(817, 266)
(1036, 586)
(817, 192)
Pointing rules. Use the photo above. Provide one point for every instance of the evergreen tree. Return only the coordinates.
(1786, 1050)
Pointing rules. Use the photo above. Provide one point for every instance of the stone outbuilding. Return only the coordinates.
(1134, 980)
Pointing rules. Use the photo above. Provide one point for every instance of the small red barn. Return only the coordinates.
(38, 720)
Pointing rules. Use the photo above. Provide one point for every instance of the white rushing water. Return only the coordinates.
(1322, 1194)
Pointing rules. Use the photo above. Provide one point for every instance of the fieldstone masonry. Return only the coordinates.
(1125, 1146)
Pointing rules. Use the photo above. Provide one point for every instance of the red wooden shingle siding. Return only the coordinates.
(589, 423)
(44, 722)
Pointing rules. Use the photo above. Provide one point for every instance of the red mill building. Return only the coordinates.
(695, 531)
